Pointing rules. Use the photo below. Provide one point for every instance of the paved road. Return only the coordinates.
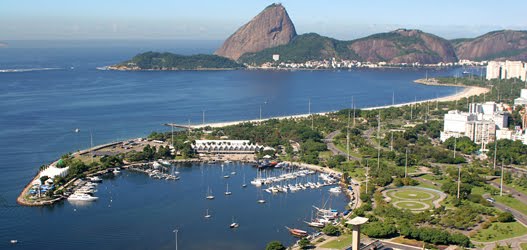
(331, 146)
(517, 214)
(517, 195)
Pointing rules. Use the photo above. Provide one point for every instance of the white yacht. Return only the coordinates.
(82, 197)
(95, 179)
(335, 190)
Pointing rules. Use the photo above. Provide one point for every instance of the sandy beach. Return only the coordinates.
(467, 92)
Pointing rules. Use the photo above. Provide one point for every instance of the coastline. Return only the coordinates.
(468, 91)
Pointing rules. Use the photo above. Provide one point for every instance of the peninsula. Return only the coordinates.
(169, 61)
(270, 41)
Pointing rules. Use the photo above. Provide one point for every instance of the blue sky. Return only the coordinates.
(216, 19)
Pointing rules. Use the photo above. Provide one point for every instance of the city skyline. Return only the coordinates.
(191, 20)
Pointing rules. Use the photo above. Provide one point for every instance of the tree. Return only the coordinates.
(331, 230)
(304, 243)
(43, 179)
(505, 217)
(379, 229)
(275, 245)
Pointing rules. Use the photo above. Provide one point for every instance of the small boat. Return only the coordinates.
(297, 232)
(116, 171)
(164, 162)
(227, 162)
(156, 165)
(209, 195)
(261, 201)
(226, 176)
(207, 215)
(95, 179)
(234, 224)
(315, 223)
(13, 241)
(335, 190)
(233, 173)
(228, 192)
(77, 130)
(244, 184)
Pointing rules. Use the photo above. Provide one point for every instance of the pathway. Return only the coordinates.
(331, 146)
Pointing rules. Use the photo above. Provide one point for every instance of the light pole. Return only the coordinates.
(175, 232)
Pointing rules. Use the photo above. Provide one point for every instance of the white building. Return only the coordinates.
(506, 70)
(522, 100)
(276, 57)
(493, 70)
(51, 172)
(479, 124)
(225, 147)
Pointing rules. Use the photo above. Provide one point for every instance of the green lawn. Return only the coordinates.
(405, 197)
(500, 231)
(523, 246)
(341, 242)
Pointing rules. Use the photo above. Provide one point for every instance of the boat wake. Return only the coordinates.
(27, 70)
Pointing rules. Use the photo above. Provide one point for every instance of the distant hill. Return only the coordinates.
(303, 48)
(496, 45)
(404, 46)
(400, 46)
(271, 28)
(169, 61)
(3, 45)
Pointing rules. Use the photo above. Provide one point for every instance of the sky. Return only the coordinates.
(217, 19)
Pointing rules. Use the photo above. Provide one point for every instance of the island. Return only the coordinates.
(169, 61)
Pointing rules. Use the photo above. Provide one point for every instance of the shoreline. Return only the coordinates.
(468, 91)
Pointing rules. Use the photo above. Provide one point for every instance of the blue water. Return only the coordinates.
(40, 109)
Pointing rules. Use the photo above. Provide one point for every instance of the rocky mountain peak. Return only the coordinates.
(271, 28)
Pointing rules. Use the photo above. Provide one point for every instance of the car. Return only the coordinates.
(491, 200)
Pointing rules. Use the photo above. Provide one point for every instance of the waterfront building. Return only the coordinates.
(226, 147)
(51, 171)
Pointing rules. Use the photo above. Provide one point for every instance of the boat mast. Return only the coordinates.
(379, 140)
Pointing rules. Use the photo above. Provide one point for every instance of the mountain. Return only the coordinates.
(399, 46)
(169, 61)
(499, 45)
(272, 27)
(303, 48)
(404, 46)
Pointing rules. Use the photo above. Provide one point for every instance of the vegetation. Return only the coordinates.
(275, 245)
(500, 231)
(331, 230)
(304, 243)
(305, 47)
(169, 61)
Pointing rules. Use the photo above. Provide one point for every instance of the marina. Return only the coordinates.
(88, 105)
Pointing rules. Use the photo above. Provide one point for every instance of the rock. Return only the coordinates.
(404, 46)
(271, 28)
(496, 45)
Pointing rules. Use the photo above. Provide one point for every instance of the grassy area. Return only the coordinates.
(341, 242)
(505, 199)
(523, 246)
(410, 242)
(427, 185)
(411, 198)
(500, 231)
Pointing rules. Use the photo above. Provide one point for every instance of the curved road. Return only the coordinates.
(331, 146)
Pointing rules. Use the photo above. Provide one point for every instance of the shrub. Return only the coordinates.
(505, 217)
